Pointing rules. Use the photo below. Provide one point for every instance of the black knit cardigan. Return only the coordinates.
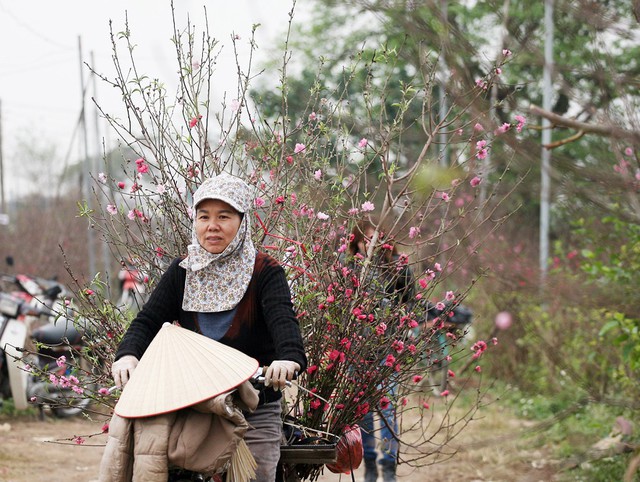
(264, 326)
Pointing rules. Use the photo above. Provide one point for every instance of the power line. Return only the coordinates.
(37, 64)
(31, 30)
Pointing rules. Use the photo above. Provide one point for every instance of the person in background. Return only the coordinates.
(390, 279)
(225, 289)
(132, 286)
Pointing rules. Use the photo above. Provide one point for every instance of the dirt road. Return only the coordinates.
(30, 450)
(489, 450)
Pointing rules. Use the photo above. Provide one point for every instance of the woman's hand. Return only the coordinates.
(122, 369)
(279, 372)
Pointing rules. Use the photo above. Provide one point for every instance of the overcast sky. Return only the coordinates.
(40, 91)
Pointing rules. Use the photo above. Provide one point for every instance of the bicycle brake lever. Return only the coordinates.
(261, 379)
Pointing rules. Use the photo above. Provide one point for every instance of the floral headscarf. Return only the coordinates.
(217, 282)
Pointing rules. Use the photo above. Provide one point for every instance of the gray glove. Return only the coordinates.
(122, 369)
(279, 372)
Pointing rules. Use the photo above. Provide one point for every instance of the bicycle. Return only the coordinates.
(302, 451)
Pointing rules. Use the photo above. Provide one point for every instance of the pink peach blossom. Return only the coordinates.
(367, 206)
(194, 121)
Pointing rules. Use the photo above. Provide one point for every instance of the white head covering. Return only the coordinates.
(217, 282)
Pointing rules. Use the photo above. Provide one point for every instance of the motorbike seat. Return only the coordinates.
(55, 333)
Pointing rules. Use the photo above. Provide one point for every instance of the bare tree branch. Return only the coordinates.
(609, 130)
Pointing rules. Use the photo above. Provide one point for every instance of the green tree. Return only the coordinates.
(582, 322)
(595, 84)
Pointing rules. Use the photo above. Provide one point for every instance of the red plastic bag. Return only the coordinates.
(349, 451)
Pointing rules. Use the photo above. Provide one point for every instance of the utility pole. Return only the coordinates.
(486, 163)
(443, 106)
(98, 155)
(86, 174)
(545, 178)
(3, 206)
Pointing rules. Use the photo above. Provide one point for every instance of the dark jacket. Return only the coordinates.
(389, 281)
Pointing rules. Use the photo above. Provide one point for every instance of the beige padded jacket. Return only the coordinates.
(202, 438)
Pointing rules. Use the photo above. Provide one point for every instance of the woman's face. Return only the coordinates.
(363, 244)
(216, 225)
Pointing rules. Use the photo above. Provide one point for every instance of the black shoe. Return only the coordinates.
(370, 471)
(388, 472)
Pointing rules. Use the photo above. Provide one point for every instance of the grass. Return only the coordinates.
(569, 426)
(9, 411)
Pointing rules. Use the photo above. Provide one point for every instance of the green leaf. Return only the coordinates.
(610, 325)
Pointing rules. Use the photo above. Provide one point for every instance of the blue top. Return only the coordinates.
(216, 325)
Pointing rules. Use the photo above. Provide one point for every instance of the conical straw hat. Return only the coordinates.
(181, 368)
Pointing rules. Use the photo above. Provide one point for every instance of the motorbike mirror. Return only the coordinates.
(26, 309)
(9, 305)
(9, 260)
(53, 292)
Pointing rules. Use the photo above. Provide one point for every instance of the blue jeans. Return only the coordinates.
(388, 442)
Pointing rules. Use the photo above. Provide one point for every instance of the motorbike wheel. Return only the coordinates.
(62, 402)
(287, 473)
(5, 389)
(72, 409)
(181, 475)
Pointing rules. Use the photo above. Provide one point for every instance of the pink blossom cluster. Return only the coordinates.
(66, 382)
(142, 166)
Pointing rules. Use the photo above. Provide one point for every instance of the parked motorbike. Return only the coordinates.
(56, 345)
(13, 334)
(38, 293)
(445, 332)
(31, 353)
